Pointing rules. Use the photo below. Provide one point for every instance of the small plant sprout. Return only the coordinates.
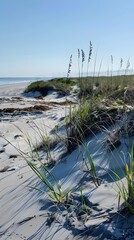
(91, 167)
(84, 206)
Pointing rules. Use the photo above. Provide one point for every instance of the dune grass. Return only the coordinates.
(102, 85)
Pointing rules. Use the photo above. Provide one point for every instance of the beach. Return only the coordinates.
(28, 213)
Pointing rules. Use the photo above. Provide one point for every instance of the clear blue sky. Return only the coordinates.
(37, 37)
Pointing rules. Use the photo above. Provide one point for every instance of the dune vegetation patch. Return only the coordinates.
(60, 85)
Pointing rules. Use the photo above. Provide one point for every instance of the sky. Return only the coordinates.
(37, 37)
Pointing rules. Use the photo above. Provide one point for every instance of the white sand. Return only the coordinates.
(12, 89)
(23, 211)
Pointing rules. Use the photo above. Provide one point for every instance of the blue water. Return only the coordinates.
(13, 80)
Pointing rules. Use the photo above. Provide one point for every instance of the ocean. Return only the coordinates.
(13, 80)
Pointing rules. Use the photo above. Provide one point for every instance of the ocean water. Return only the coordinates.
(13, 80)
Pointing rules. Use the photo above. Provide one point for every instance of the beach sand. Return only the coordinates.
(26, 213)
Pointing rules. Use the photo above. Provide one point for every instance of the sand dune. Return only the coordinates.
(29, 214)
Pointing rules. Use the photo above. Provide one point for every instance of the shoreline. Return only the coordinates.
(19, 80)
(14, 83)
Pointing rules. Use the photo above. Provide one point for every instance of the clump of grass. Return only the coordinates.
(88, 118)
(56, 194)
(75, 121)
(126, 191)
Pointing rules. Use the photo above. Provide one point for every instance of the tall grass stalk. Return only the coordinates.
(69, 69)
(89, 57)
(121, 64)
(112, 70)
(79, 63)
(82, 61)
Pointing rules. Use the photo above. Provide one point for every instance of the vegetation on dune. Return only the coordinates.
(103, 85)
(100, 99)
(61, 85)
